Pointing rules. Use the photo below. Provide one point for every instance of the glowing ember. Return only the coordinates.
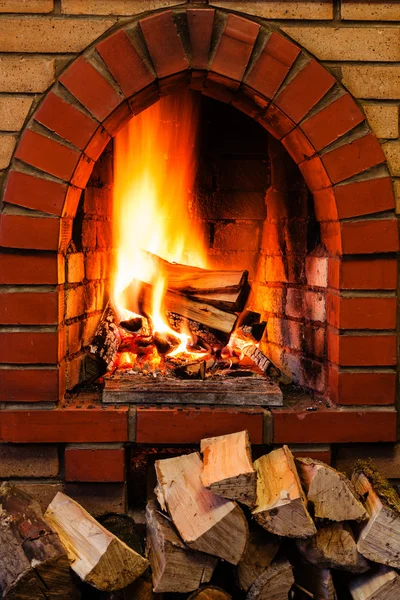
(154, 174)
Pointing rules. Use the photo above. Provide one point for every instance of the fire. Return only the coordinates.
(154, 179)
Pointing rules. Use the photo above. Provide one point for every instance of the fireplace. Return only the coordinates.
(292, 186)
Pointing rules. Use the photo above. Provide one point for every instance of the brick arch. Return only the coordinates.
(259, 71)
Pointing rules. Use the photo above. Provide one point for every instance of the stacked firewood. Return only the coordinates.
(219, 527)
(290, 528)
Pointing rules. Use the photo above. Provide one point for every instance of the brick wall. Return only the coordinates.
(358, 43)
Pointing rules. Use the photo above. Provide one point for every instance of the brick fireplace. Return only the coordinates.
(315, 220)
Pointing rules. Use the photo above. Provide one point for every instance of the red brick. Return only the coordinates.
(352, 158)
(363, 274)
(65, 120)
(95, 464)
(298, 146)
(118, 118)
(72, 424)
(29, 308)
(361, 313)
(27, 347)
(30, 385)
(332, 122)
(35, 193)
(305, 90)
(144, 99)
(164, 425)
(124, 62)
(47, 154)
(360, 237)
(90, 88)
(32, 269)
(20, 231)
(354, 350)
(276, 122)
(97, 144)
(334, 425)
(83, 171)
(272, 65)
(315, 174)
(362, 387)
(200, 23)
(235, 47)
(380, 235)
(354, 199)
(164, 43)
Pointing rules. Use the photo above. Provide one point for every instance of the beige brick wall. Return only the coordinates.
(359, 42)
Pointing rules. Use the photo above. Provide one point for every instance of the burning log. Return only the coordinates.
(98, 556)
(275, 582)
(194, 280)
(203, 313)
(379, 536)
(205, 522)
(331, 493)
(107, 339)
(230, 301)
(227, 467)
(201, 332)
(165, 343)
(259, 554)
(281, 503)
(33, 562)
(210, 593)
(381, 583)
(334, 547)
(175, 568)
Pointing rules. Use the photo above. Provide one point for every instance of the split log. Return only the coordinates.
(260, 552)
(281, 503)
(334, 547)
(107, 338)
(230, 301)
(187, 279)
(198, 331)
(331, 493)
(98, 556)
(381, 583)
(205, 522)
(379, 536)
(210, 593)
(203, 313)
(33, 562)
(316, 582)
(175, 568)
(227, 467)
(274, 583)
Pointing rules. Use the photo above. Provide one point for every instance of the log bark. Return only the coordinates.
(379, 537)
(106, 341)
(317, 582)
(274, 583)
(334, 547)
(260, 552)
(205, 522)
(33, 562)
(175, 568)
(227, 467)
(210, 593)
(331, 493)
(382, 583)
(281, 503)
(98, 556)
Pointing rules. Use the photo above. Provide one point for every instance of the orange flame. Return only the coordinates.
(154, 178)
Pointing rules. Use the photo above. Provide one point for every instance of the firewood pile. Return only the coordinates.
(218, 527)
(206, 307)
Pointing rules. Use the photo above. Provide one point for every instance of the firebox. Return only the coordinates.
(290, 192)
